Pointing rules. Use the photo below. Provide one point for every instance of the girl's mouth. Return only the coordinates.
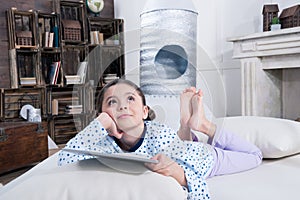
(123, 116)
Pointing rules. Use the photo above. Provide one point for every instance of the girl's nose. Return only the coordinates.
(123, 107)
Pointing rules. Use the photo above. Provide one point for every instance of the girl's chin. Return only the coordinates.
(124, 125)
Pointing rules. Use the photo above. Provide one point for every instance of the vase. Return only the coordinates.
(275, 27)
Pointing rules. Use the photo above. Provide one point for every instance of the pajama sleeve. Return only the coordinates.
(87, 139)
(196, 160)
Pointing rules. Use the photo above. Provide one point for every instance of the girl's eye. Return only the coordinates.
(131, 98)
(111, 102)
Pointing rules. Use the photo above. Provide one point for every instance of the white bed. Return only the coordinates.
(277, 178)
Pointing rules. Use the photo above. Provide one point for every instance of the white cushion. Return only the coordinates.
(89, 179)
(274, 136)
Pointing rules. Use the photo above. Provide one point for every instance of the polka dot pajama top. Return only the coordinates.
(195, 158)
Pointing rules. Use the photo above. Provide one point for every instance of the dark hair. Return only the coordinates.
(151, 114)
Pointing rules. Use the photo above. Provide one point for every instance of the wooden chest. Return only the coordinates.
(22, 144)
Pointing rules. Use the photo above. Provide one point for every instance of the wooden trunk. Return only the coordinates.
(22, 144)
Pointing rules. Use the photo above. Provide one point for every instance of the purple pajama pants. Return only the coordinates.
(233, 154)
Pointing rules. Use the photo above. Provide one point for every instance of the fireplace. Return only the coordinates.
(270, 66)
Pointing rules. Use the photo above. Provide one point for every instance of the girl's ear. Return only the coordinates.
(145, 112)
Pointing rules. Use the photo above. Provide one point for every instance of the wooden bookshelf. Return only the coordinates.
(62, 38)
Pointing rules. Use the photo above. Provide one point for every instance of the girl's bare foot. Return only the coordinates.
(198, 121)
(185, 105)
(184, 131)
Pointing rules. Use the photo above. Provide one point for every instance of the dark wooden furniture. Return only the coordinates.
(22, 144)
(12, 100)
(60, 47)
(43, 6)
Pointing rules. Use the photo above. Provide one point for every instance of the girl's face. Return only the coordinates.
(124, 104)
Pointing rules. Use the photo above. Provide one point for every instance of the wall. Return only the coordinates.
(219, 74)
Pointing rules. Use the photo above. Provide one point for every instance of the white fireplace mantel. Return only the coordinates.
(270, 66)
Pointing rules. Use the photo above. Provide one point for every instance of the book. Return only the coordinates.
(57, 68)
(96, 37)
(82, 71)
(73, 111)
(101, 38)
(54, 108)
(73, 106)
(46, 39)
(56, 36)
(54, 71)
(51, 38)
(92, 37)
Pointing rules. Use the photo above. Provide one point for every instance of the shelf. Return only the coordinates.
(12, 100)
(62, 62)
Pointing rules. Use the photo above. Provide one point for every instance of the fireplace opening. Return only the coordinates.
(171, 62)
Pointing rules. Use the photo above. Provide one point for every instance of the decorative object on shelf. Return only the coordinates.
(269, 12)
(30, 113)
(95, 6)
(72, 30)
(275, 24)
(290, 17)
(24, 38)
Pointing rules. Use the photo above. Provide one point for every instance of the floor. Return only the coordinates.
(7, 177)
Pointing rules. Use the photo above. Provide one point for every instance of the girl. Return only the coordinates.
(121, 127)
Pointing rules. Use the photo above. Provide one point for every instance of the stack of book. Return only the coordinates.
(81, 74)
(96, 37)
(28, 81)
(73, 79)
(73, 109)
(48, 39)
(109, 77)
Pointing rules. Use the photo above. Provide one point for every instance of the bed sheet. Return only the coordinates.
(89, 179)
(275, 179)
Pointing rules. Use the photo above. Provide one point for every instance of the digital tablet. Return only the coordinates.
(121, 156)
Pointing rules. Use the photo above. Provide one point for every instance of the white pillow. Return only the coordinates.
(89, 179)
(274, 136)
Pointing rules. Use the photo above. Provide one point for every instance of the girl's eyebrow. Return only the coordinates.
(113, 96)
(132, 93)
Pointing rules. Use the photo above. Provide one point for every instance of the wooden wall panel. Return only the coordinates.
(42, 5)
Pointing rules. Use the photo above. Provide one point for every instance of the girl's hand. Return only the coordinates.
(109, 124)
(168, 167)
